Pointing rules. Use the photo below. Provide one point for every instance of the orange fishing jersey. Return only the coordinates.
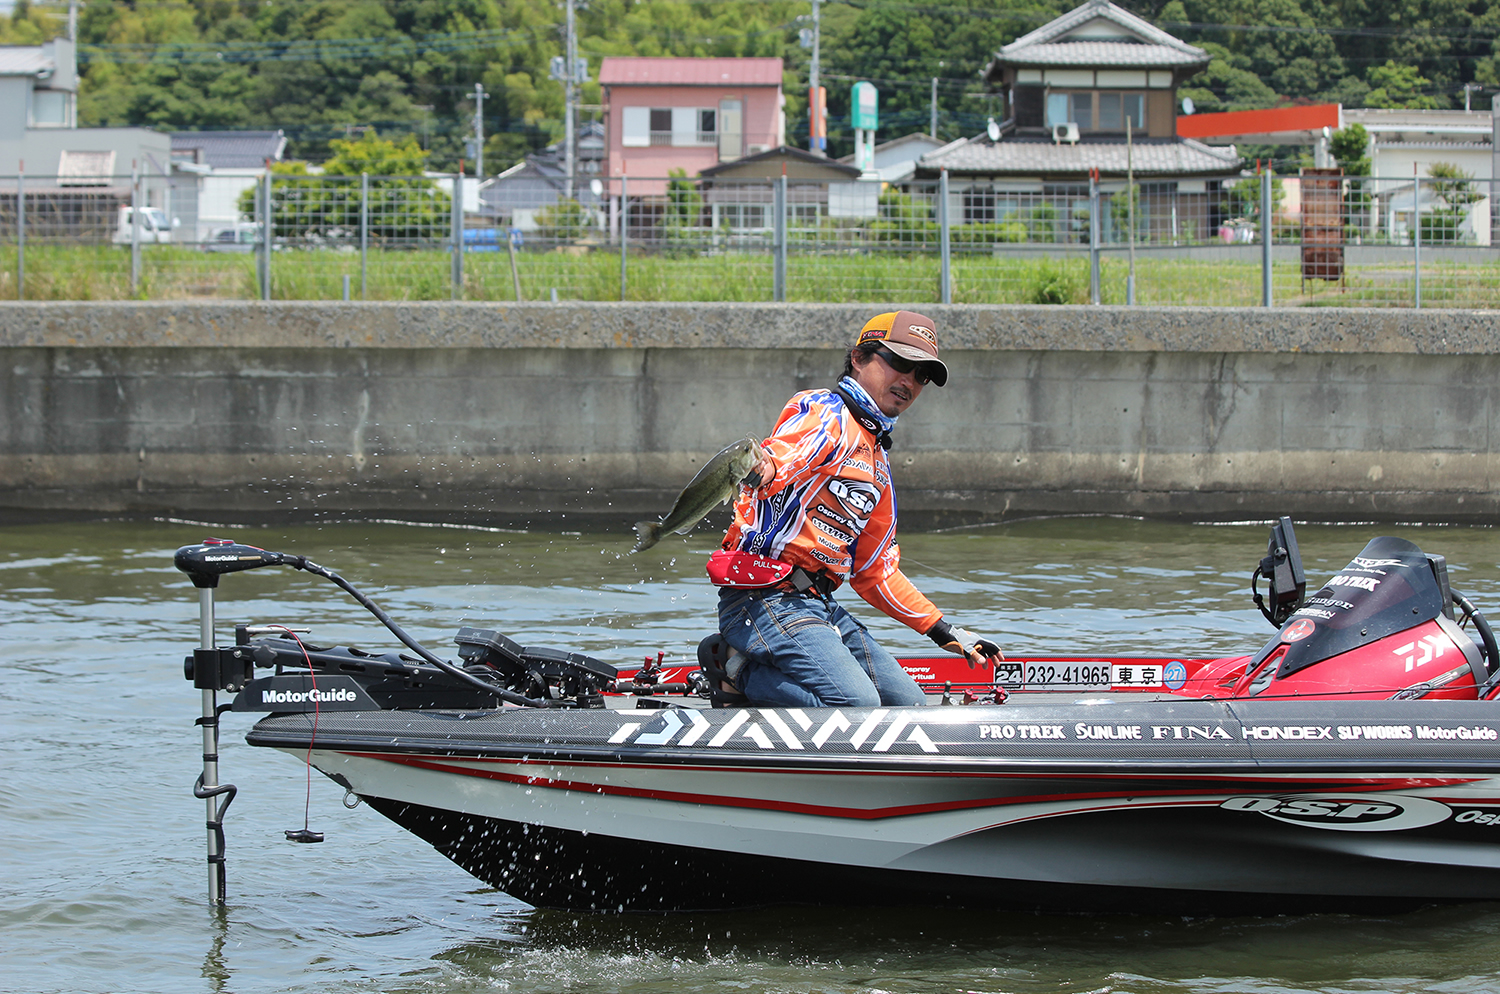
(830, 507)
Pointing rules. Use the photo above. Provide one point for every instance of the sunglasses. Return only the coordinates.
(903, 365)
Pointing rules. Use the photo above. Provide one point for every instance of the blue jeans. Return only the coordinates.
(803, 651)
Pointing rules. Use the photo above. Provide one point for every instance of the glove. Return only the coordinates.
(962, 642)
(761, 473)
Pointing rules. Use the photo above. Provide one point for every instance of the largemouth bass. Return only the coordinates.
(715, 484)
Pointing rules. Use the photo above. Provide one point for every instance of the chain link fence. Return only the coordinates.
(1316, 239)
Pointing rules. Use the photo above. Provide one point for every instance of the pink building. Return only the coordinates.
(662, 114)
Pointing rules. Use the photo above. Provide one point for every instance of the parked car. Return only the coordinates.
(242, 236)
(154, 226)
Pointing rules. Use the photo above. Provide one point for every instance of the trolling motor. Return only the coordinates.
(212, 670)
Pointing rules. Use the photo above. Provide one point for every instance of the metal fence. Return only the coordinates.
(1314, 239)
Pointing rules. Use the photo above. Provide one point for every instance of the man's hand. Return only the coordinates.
(761, 473)
(962, 642)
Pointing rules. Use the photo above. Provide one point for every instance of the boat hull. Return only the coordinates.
(1144, 806)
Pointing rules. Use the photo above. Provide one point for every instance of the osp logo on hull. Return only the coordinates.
(1345, 812)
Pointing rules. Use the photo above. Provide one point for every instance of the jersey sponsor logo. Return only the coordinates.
(856, 497)
(1345, 812)
(834, 516)
(841, 562)
(853, 463)
(828, 529)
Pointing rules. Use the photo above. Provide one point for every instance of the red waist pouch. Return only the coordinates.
(732, 568)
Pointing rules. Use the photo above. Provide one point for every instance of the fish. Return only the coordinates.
(714, 484)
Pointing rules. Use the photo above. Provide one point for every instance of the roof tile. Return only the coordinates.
(1040, 157)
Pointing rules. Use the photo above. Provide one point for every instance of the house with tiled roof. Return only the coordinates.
(663, 114)
(75, 179)
(213, 169)
(1092, 92)
(515, 196)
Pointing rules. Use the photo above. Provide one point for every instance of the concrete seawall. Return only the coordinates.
(525, 413)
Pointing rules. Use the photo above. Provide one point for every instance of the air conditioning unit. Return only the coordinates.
(1065, 133)
(758, 149)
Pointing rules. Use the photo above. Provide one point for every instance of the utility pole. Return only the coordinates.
(817, 142)
(73, 21)
(479, 131)
(933, 130)
(570, 73)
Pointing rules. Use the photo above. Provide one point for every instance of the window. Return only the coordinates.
(1113, 107)
(661, 125)
(669, 126)
(1075, 107)
(636, 127)
(979, 206)
(49, 108)
(743, 216)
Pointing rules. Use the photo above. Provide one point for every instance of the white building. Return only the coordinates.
(75, 178)
(1407, 143)
(213, 168)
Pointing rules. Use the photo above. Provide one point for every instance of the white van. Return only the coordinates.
(154, 226)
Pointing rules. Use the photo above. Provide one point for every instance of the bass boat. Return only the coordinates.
(1352, 762)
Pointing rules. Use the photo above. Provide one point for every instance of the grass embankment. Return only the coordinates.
(171, 272)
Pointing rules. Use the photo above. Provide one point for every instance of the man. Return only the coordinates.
(818, 510)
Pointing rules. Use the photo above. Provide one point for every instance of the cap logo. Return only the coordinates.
(873, 335)
(925, 334)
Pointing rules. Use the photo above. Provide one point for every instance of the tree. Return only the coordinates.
(1452, 192)
(377, 156)
(1399, 86)
(1350, 147)
(402, 205)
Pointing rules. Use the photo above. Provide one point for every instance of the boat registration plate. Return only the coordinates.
(1039, 674)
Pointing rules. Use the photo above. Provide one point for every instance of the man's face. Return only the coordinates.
(893, 391)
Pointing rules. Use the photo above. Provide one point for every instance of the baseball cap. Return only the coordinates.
(909, 335)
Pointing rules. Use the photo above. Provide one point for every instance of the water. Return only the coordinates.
(102, 879)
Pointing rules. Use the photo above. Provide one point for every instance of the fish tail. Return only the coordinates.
(649, 533)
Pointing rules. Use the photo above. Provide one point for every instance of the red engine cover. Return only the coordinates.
(1406, 660)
